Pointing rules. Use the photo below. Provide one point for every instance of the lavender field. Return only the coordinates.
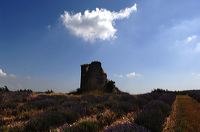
(31, 111)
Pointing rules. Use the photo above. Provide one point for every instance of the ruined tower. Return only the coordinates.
(92, 77)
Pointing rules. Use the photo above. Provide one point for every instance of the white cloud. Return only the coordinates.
(119, 75)
(28, 77)
(12, 75)
(95, 24)
(133, 75)
(2, 73)
(197, 47)
(183, 36)
(7, 75)
(194, 43)
(188, 44)
(128, 75)
(49, 27)
(196, 75)
(191, 38)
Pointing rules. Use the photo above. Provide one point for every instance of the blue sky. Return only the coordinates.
(155, 44)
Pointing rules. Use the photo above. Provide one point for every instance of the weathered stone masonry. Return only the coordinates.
(93, 77)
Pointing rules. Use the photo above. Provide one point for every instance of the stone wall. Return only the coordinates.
(92, 77)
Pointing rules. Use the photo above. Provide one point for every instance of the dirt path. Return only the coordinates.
(185, 116)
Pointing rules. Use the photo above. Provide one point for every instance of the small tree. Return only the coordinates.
(110, 86)
(4, 89)
(49, 91)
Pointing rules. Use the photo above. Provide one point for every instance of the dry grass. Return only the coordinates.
(38, 111)
(185, 116)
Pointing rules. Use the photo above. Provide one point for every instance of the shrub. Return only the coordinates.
(168, 98)
(125, 107)
(50, 119)
(42, 103)
(106, 118)
(71, 117)
(25, 90)
(120, 107)
(126, 127)
(4, 89)
(153, 115)
(13, 129)
(49, 91)
(84, 126)
(109, 86)
(88, 126)
(195, 94)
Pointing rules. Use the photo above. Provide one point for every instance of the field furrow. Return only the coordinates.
(185, 115)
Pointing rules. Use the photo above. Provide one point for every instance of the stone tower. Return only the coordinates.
(92, 77)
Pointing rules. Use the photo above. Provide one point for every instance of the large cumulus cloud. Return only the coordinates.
(95, 24)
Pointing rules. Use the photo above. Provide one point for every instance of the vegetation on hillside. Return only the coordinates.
(25, 110)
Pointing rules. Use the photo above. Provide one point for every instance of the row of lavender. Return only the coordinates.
(154, 113)
(29, 111)
(195, 94)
